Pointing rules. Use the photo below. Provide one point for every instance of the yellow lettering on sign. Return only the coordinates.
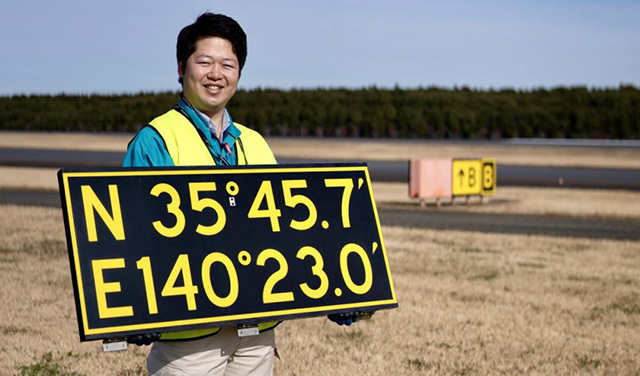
(199, 204)
(144, 264)
(188, 289)
(347, 184)
(268, 296)
(318, 271)
(292, 201)
(234, 288)
(467, 177)
(102, 288)
(265, 193)
(93, 204)
(346, 274)
(173, 207)
(489, 175)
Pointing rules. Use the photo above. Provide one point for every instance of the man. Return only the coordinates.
(199, 131)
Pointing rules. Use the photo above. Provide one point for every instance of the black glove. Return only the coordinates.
(143, 339)
(344, 318)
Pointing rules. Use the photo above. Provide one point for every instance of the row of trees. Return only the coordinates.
(575, 112)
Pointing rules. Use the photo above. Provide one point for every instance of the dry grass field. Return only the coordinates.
(470, 303)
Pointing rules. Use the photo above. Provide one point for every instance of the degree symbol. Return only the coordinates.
(232, 188)
(244, 258)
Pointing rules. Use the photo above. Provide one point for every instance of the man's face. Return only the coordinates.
(210, 76)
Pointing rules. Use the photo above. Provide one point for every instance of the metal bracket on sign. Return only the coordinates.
(247, 330)
(114, 344)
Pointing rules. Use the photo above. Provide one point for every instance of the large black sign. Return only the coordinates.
(164, 249)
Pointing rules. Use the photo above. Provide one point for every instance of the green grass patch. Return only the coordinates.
(532, 265)
(7, 255)
(6, 251)
(440, 345)
(488, 276)
(47, 366)
(12, 330)
(479, 250)
(584, 361)
(628, 306)
(46, 247)
(417, 364)
(577, 278)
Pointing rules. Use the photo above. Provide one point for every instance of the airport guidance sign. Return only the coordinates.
(473, 177)
(165, 249)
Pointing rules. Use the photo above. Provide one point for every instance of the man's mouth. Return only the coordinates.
(213, 87)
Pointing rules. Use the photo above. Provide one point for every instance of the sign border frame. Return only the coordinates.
(87, 333)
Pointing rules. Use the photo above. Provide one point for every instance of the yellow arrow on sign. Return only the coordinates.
(467, 177)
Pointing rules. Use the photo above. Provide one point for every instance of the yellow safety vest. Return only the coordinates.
(186, 148)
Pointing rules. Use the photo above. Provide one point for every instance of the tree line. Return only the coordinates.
(458, 113)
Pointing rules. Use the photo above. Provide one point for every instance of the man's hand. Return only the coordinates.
(344, 318)
(143, 339)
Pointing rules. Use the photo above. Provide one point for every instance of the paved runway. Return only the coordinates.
(419, 217)
(390, 171)
(413, 216)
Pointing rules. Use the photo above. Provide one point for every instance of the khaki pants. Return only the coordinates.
(223, 353)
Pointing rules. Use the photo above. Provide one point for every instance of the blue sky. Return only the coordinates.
(128, 46)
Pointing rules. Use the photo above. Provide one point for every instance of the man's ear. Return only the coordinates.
(180, 72)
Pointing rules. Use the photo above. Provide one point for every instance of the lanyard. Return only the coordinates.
(187, 110)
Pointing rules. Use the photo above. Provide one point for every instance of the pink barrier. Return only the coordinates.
(430, 178)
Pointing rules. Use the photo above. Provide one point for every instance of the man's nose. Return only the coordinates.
(215, 72)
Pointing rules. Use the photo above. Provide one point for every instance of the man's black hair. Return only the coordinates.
(211, 25)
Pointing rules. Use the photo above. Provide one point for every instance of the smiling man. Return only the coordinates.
(199, 131)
